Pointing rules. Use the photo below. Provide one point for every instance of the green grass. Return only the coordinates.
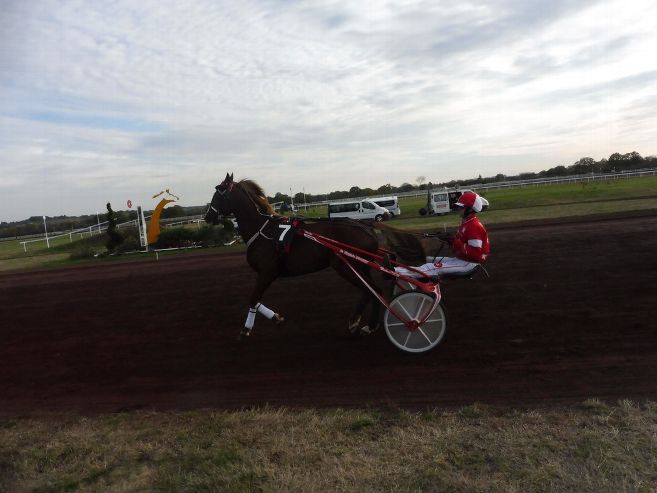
(546, 195)
(537, 196)
(508, 205)
(589, 447)
(14, 257)
(495, 216)
(13, 248)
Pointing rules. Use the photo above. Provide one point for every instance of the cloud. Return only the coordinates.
(106, 99)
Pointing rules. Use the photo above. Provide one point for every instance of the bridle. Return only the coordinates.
(224, 189)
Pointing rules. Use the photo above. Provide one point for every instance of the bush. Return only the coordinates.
(130, 244)
(114, 237)
(82, 251)
(207, 236)
(130, 240)
(210, 236)
(176, 238)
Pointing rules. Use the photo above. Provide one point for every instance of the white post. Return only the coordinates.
(46, 230)
(143, 226)
(141, 236)
(291, 199)
(305, 205)
(98, 219)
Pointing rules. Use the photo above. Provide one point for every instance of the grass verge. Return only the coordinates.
(590, 447)
(511, 205)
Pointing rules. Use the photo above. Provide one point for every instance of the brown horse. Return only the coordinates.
(261, 228)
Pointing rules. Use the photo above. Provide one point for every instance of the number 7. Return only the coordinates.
(285, 228)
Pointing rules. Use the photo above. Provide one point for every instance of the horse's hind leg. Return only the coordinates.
(355, 320)
(357, 315)
(375, 317)
(262, 283)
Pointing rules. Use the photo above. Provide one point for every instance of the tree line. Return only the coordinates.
(615, 163)
(34, 224)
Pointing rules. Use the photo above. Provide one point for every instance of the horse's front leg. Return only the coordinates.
(262, 283)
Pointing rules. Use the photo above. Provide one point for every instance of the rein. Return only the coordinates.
(259, 233)
(269, 217)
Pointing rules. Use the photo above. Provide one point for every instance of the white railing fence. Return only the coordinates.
(198, 218)
(508, 184)
(94, 229)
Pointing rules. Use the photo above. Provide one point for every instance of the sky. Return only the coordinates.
(115, 101)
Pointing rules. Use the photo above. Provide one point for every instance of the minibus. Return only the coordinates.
(389, 203)
(357, 209)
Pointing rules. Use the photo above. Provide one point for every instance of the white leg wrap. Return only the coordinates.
(250, 318)
(263, 310)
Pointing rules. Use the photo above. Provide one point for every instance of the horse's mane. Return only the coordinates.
(257, 194)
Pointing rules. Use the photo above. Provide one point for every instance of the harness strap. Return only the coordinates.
(258, 233)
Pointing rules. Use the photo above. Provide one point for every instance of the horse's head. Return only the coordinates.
(220, 204)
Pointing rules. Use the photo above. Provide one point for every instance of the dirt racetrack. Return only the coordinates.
(568, 313)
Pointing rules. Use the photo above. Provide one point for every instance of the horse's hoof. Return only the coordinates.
(353, 326)
(243, 335)
(278, 319)
(366, 330)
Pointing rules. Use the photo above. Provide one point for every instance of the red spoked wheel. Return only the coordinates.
(411, 325)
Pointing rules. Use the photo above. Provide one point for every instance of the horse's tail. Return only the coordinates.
(407, 246)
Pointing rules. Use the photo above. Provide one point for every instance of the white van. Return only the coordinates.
(357, 209)
(390, 203)
(442, 201)
(456, 195)
(439, 203)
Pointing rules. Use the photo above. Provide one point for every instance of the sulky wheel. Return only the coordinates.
(402, 286)
(413, 306)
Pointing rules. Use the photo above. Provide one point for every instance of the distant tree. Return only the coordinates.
(582, 166)
(603, 165)
(631, 160)
(355, 192)
(635, 160)
(557, 171)
(338, 194)
(122, 216)
(387, 188)
(115, 238)
(616, 159)
(173, 211)
(405, 187)
(420, 180)
(281, 197)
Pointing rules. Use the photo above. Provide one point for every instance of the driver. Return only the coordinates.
(470, 245)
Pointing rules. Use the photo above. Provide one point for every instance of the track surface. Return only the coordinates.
(568, 313)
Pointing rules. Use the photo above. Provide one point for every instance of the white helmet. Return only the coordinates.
(470, 200)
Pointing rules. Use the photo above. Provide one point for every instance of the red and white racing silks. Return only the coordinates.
(470, 246)
(471, 241)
